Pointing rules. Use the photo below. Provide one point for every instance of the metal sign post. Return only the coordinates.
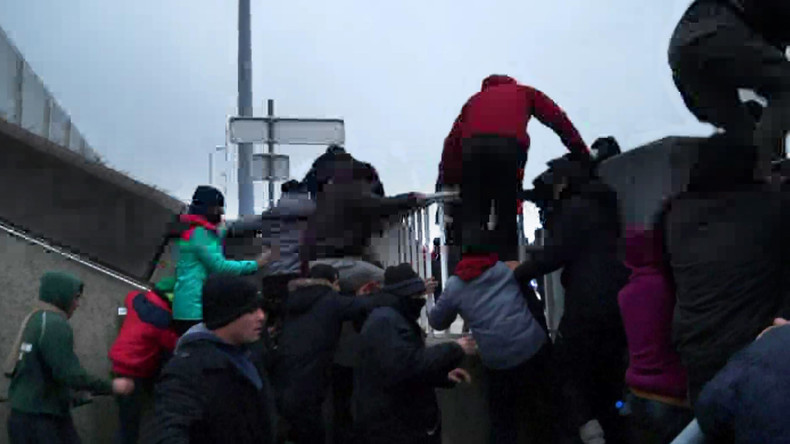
(271, 130)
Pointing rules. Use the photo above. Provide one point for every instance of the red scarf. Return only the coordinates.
(473, 265)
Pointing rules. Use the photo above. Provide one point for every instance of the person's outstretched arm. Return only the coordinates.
(551, 115)
(451, 154)
(445, 311)
(56, 343)
(401, 361)
(215, 261)
(565, 238)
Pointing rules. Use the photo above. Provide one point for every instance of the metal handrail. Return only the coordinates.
(72, 257)
(413, 234)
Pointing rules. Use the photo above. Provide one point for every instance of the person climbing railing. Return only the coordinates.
(408, 240)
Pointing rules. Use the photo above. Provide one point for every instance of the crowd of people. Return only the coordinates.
(314, 341)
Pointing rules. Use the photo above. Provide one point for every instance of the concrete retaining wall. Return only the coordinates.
(58, 195)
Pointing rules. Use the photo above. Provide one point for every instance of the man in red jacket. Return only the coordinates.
(486, 151)
(146, 337)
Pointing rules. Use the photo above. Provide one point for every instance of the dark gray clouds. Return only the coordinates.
(151, 82)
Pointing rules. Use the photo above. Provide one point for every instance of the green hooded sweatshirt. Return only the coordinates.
(48, 369)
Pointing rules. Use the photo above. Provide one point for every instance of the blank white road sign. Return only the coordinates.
(287, 131)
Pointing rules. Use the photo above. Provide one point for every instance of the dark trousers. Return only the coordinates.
(522, 392)
(130, 411)
(654, 422)
(181, 327)
(490, 176)
(307, 425)
(26, 428)
(342, 391)
(590, 371)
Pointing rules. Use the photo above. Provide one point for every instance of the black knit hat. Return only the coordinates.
(226, 298)
(402, 280)
(324, 271)
(206, 197)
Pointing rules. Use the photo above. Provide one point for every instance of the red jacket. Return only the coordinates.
(145, 336)
(504, 107)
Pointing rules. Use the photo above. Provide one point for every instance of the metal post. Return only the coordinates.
(404, 239)
(426, 217)
(412, 243)
(270, 113)
(246, 196)
(522, 241)
(416, 238)
(443, 250)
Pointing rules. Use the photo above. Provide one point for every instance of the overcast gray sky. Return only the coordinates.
(150, 83)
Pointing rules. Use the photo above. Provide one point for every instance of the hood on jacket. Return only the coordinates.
(150, 312)
(497, 80)
(164, 289)
(643, 247)
(304, 293)
(59, 289)
(198, 332)
(472, 265)
(291, 205)
(402, 282)
(196, 220)
(294, 204)
(238, 355)
(714, 172)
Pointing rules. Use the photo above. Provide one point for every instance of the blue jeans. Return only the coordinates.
(657, 422)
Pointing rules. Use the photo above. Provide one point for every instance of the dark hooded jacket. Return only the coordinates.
(767, 18)
(313, 315)
(747, 401)
(282, 225)
(48, 370)
(726, 243)
(504, 108)
(347, 214)
(583, 232)
(321, 171)
(395, 381)
(213, 392)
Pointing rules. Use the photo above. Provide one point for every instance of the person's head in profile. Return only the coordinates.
(232, 309)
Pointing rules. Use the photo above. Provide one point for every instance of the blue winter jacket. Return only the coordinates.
(749, 399)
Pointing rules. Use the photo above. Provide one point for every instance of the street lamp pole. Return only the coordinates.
(270, 109)
(246, 191)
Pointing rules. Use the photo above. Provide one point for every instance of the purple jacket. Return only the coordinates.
(646, 304)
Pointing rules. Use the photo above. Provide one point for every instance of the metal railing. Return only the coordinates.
(27, 103)
(70, 256)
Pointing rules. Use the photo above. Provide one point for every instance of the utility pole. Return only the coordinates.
(270, 113)
(246, 195)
